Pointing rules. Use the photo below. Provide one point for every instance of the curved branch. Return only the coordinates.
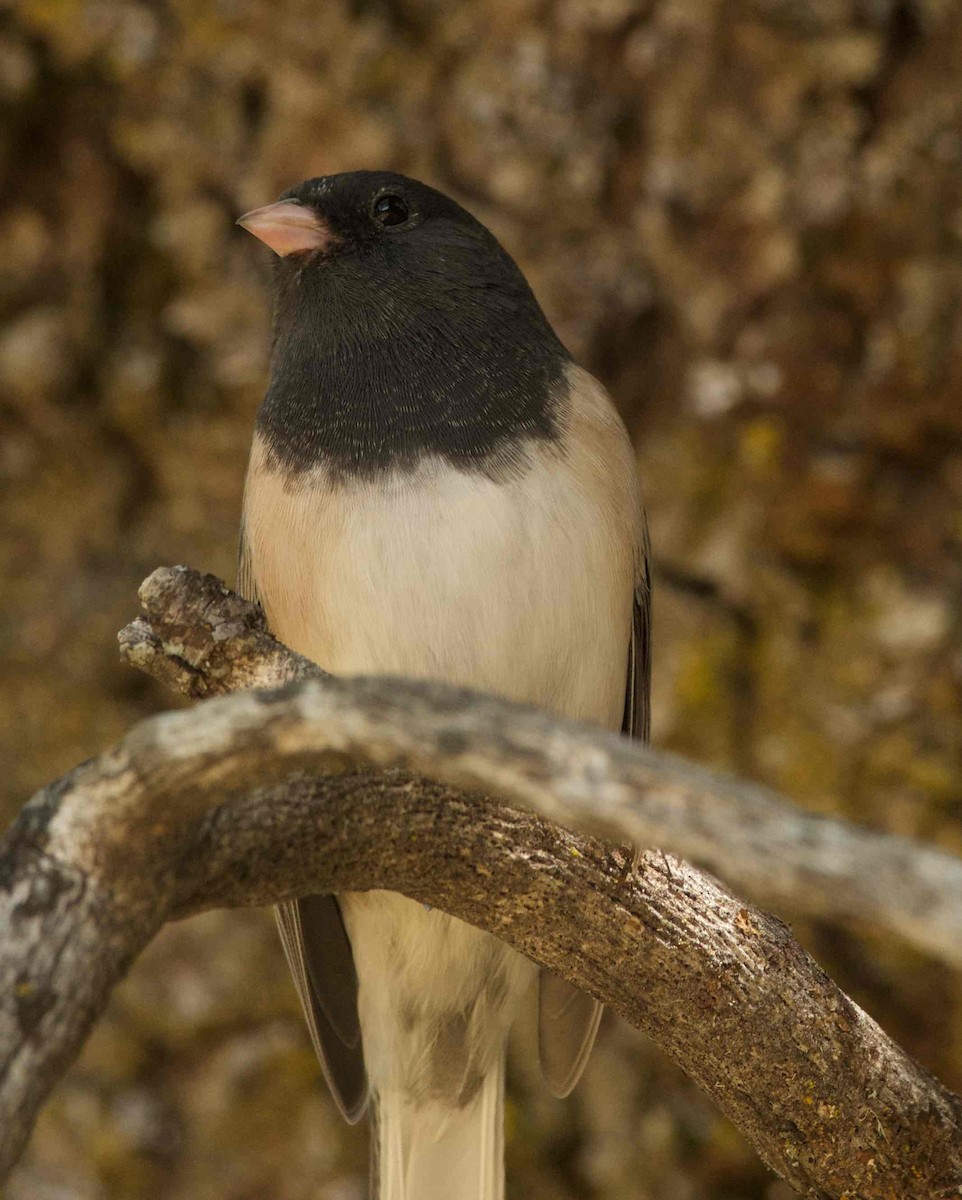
(202, 640)
(166, 823)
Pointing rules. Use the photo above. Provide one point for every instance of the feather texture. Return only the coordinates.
(524, 585)
(434, 1152)
(321, 963)
(568, 1019)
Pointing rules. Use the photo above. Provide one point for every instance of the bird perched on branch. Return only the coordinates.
(435, 490)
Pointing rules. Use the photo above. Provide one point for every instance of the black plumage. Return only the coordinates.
(416, 338)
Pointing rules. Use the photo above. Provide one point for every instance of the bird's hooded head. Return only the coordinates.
(402, 328)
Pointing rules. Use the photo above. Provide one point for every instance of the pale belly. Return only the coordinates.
(518, 589)
(522, 589)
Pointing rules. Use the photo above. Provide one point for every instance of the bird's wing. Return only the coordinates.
(319, 955)
(567, 1018)
(637, 722)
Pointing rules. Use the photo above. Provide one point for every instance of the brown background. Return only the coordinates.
(745, 216)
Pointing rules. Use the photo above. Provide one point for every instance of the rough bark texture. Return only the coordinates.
(155, 828)
(201, 639)
(744, 216)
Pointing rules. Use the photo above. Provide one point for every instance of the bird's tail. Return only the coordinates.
(434, 1151)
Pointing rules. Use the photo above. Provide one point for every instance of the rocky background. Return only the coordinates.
(745, 216)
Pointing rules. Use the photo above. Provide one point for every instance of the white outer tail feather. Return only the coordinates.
(437, 1152)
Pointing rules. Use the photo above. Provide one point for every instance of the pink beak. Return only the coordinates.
(288, 228)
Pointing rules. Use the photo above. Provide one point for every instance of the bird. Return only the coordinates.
(435, 490)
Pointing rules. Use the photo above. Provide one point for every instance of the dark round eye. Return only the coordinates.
(390, 209)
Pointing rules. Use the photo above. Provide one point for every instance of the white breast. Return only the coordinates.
(520, 587)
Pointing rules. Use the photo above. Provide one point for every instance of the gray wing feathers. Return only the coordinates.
(567, 1018)
(318, 953)
(637, 722)
(245, 572)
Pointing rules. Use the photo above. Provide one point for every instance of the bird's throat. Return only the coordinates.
(382, 399)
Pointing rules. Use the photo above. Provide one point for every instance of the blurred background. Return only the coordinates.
(746, 217)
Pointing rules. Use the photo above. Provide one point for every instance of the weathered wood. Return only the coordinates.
(204, 640)
(194, 809)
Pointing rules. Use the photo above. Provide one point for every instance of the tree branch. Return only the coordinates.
(186, 813)
(203, 640)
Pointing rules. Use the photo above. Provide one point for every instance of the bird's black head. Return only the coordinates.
(367, 211)
(376, 218)
(402, 329)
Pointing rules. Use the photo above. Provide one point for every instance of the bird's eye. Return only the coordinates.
(390, 209)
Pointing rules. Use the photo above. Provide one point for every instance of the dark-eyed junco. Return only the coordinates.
(435, 490)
